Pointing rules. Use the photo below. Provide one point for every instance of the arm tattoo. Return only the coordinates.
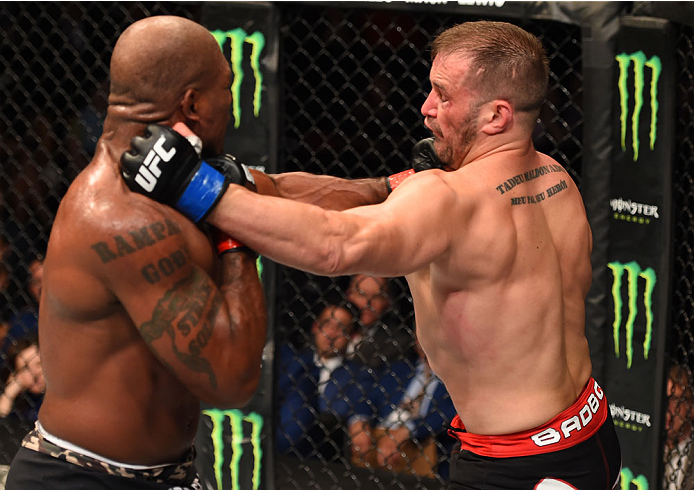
(186, 314)
(118, 246)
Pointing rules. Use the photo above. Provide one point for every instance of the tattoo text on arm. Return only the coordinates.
(187, 315)
(121, 245)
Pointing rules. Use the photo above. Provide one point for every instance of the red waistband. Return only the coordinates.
(574, 425)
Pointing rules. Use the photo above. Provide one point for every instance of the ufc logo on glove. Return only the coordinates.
(149, 171)
(178, 176)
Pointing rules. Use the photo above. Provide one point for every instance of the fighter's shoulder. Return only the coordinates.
(431, 180)
(108, 224)
(441, 190)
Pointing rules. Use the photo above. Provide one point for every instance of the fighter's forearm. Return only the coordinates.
(325, 191)
(241, 288)
(277, 228)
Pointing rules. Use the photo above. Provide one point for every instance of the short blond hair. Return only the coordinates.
(507, 62)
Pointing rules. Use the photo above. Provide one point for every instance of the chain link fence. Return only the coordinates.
(679, 414)
(54, 61)
(352, 83)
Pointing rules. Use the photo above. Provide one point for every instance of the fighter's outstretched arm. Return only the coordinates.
(325, 191)
(150, 168)
(394, 238)
(338, 194)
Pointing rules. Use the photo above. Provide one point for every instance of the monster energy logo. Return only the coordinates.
(236, 419)
(237, 38)
(628, 479)
(640, 62)
(634, 272)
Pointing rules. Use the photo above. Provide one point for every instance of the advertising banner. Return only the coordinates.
(234, 447)
(640, 242)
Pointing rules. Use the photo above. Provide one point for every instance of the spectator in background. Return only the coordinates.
(404, 427)
(24, 386)
(24, 383)
(318, 388)
(679, 440)
(25, 322)
(382, 338)
(6, 297)
(36, 278)
(90, 125)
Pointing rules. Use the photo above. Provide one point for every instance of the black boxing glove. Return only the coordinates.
(423, 158)
(163, 165)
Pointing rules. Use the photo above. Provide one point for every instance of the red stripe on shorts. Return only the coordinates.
(574, 425)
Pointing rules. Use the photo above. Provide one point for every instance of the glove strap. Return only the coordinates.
(228, 244)
(206, 186)
(224, 243)
(396, 179)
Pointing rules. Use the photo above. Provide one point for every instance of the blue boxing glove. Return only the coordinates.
(163, 165)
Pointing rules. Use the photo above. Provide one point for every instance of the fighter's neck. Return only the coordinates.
(489, 148)
(124, 122)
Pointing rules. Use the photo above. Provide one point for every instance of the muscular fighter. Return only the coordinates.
(140, 319)
(496, 249)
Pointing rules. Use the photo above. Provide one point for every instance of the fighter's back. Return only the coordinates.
(106, 390)
(509, 294)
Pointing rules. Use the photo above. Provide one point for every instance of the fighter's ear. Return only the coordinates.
(497, 116)
(190, 105)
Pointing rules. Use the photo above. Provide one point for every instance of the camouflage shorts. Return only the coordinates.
(177, 474)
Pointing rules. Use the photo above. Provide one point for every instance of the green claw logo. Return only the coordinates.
(236, 419)
(237, 37)
(640, 63)
(634, 272)
(629, 479)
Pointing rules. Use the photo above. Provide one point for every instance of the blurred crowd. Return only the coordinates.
(361, 390)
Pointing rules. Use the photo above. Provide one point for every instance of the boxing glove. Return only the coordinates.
(423, 158)
(163, 165)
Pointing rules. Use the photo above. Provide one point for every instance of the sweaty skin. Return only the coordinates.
(496, 253)
(139, 318)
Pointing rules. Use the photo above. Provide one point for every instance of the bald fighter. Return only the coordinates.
(496, 250)
(141, 316)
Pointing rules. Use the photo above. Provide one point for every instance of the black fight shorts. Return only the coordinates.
(577, 450)
(41, 465)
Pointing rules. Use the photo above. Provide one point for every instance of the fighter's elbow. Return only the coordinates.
(246, 392)
(345, 248)
(338, 258)
(331, 259)
(236, 392)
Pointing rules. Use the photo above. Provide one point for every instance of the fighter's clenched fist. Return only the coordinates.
(164, 166)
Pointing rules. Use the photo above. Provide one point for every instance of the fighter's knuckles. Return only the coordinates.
(151, 129)
(138, 145)
(128, 163)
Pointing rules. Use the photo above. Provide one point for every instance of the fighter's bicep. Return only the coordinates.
(140, 267)
(182, 324)
(173, 304)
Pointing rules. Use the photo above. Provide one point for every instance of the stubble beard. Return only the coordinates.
(448, 154)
